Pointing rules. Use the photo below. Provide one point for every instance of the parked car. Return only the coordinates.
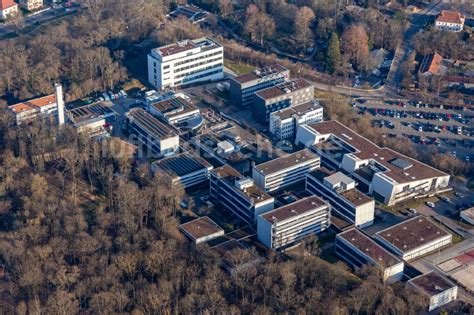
(430, 204)
(458, 194)
(412, 210)
(445, 199)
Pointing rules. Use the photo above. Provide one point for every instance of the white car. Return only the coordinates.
(430, 204)
(412, 210)
(445, 199)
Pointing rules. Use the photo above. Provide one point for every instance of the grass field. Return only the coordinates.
(238, 68)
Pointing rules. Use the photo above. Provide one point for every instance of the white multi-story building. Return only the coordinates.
(186, 62)
(31, 5)
(185, 169)
(414, 238)
(341, 192)
(286, 226)
(357, 249)
(8, 8)
(450, 21)
(285, 122)
(384, 173)
(439, 290)
(239, 194)
(157, 136)
(279, 173)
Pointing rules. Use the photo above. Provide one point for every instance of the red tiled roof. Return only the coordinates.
(34, 103)
(431, 63)
(5, 4)
(450, 17)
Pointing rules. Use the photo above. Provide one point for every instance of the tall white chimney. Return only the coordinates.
(58, 90)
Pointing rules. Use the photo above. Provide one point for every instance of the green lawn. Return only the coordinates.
(238, 68)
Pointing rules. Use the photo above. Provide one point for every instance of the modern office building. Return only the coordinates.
(244, 86)
(387, 175)
(283, 95)
(414, 238)
(341, 192)
(160, 138)
(437, 288)
(185, 169)
(358, 249)
(284, 123)
(450, 21)
(286, 226)
(186, 62)
(31, 5)
(8, 8)
(201, 230)
(239, 194)
(288, 170)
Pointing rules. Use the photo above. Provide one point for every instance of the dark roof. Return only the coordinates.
(283, 89)
(412, 233)
(95, 110)
(287, 161)
(294, 209)
(432, 283)
(200, 227)
(182, 164)
(366, 245)
(173, 106)
(152, 125)
(261, 73)
(431, 63)
(366, 149)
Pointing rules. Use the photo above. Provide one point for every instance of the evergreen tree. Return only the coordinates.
(333, 62)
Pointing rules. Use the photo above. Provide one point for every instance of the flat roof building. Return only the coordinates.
(244, 86)
(414, 238)
(284, 123)
(358, 249)
(186, 62)
(286, 226)
(437, 288)
(341, 192)
(468, 215)
(239, 194)
(280, 96)
(288, 170)
(201, 230)
(185, 169)
(235, 257)
(157, 136)
(387, 175)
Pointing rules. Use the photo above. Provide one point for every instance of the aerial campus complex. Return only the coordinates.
(333, 181)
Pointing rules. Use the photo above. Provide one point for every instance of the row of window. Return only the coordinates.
(197, 58)
(196, 65)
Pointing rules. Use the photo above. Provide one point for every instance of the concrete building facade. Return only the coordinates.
(437, 288)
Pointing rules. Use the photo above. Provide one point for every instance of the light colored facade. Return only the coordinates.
(439, 290)
(288, 170)
(244, 86)
(201, 230)
(385, 174)
(341, 192)
(31, 5)
(160, 138)
(414, 238)
(239, 194)
(34, 109)
(185, 169)
(186, 62)
(358, 249)
(468, 215)
(286, 226)
(450, 21)
(285, 122)
(8, 8)
(283, 95)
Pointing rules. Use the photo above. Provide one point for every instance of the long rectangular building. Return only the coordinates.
(279, 173)
(185, 169)
(286, 226)
(244, 86)
(414, 238)
(186, 62)
(387, 175)
(157, 136)
(341, 192)
(239, 194)
(357, 249)
(283, 95)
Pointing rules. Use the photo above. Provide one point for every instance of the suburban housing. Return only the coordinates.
(186, 62)
(387, 175)
(8, 8)
(286, 226)
(358, 249)
(414, 237)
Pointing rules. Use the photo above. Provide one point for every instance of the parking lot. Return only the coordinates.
(446, 129)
